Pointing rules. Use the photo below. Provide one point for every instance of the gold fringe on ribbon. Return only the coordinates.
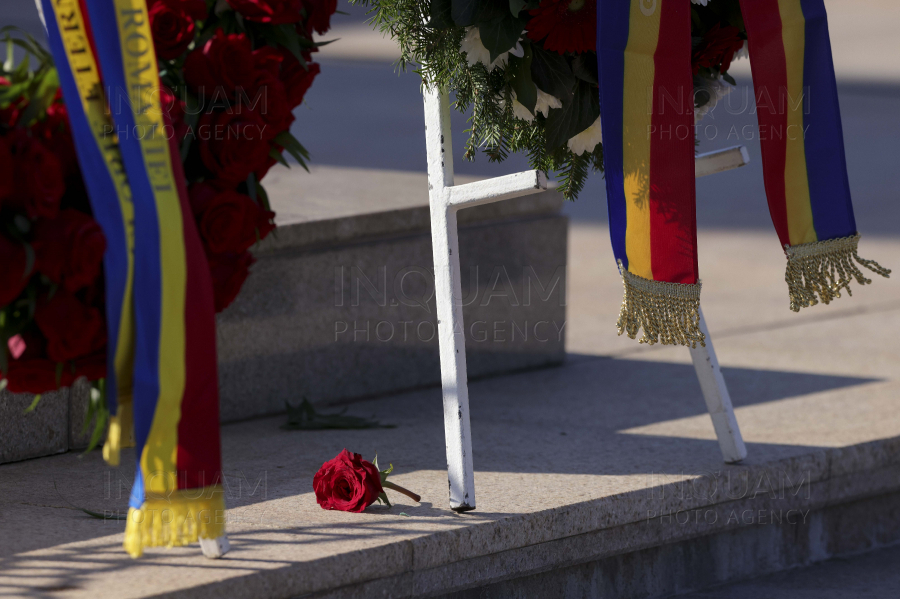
(818, 271)
(669, 313)
(182, 518)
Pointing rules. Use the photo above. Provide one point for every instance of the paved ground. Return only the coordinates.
(868, 576)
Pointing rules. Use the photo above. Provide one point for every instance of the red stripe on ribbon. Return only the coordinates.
(673, 218)
(763, 21)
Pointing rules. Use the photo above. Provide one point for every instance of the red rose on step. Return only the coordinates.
(224, 61)
(318, 14)
(229, 271)
(13, 270)
(39, 177)
(565, 25)
(717, 49)
(73, 329)
(273, 12)
(70, 249)
(232, 144)
(227, 219)
(172, 24)
(297, 79)
(347, 483)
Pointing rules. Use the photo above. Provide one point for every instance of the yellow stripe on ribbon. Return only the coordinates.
(799, 208)
(83, 64)
(637, 104)
(159, 458)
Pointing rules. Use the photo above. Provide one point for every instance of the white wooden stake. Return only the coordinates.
(445, 199)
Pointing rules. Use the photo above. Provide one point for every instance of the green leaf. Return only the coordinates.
(552, 74)
(729, 78)
(441, 14)
(519, 71)
(584, 66)
(576, 115)
(34, 404)
(286, 35)
(517, 6)
(463, 12)
(305, 417)
(501, 34)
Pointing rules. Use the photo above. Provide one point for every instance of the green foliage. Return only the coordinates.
(305, 417)
(430, 34)
(38, 84)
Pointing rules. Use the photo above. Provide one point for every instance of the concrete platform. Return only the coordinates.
(598, 478)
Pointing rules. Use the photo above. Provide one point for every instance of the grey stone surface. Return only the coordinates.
(43, 431)
(340, 304)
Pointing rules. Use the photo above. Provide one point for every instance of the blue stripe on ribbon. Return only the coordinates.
(104, 200)
(826, 164)
(147, 268)
(612, 39)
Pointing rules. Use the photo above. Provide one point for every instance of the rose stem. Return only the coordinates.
(389, 485)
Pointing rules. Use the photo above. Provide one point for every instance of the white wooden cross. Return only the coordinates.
(445, 199)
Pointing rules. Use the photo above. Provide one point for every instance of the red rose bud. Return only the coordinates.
(39, 183)
(347, 483)
(73, 329)
(273, 12)
(229, 271)
(13, 270)
(223, 64)
(172, 24)
(70, 249)
(297, 79)
(232, 144)
(227, 219)
(318, 14)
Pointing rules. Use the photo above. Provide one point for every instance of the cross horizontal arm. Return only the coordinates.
(497, 188)
(719, 161)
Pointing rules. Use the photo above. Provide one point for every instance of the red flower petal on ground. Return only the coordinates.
(347, 483)
(565, 25)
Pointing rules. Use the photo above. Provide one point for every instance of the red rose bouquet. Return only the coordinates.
(528, 71)
(231, 74)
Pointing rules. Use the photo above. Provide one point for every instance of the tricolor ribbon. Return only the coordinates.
(177, 495)
(646, 97)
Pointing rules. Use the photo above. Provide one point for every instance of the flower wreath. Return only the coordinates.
(528, 71)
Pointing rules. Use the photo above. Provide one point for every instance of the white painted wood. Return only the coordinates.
(445, 199)
(215, 548)
(720, 161)
(718, 401)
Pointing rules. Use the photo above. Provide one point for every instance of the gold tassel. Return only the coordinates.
(669, 313)
(180, 518)
(818, 271)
